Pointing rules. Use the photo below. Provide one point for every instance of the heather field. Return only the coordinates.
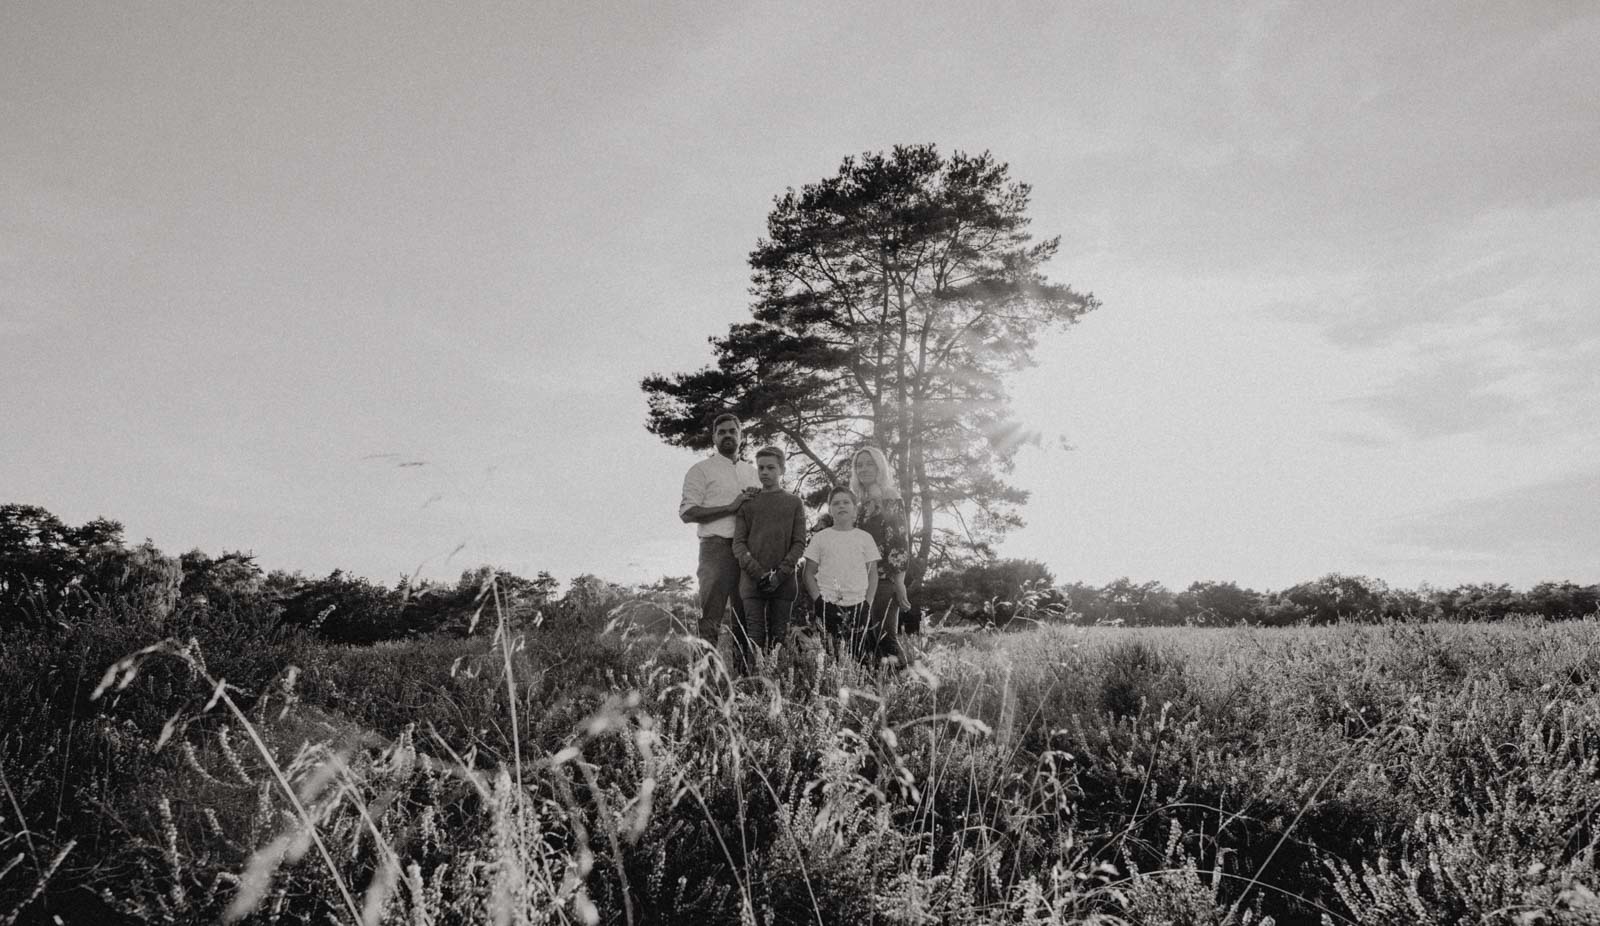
(210, 766)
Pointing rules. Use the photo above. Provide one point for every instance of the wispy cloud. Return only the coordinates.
(1491, 328)
(19, 316)
(1509, 392)
(1549, 530)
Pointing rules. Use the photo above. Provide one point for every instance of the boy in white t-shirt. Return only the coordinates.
(839, 572)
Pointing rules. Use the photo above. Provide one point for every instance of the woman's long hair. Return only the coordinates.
(885, 489)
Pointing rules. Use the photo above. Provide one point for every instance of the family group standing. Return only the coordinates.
(753, 543)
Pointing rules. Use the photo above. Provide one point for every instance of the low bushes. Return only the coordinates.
(1387, 773)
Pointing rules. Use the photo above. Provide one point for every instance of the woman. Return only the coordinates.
(882, 513)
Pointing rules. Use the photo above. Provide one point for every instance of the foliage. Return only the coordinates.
(343, 608)
(1479, 602)
(80, 771)
(1123, 601)
(892, 300)
(1328, 600)
(142, 577)
(455, 610)
(1562, 600)
(1365, 773)
(590, 594)
(1219, 604)
(1331, 599)
(1138, 676)
(996, 585)
(562, 762)
(1060, 776)
(42, 560)
(230, 581)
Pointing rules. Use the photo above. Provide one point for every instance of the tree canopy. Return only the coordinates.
(42, 559)
(891, 301)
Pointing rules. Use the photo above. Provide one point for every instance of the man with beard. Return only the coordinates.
(713, 491)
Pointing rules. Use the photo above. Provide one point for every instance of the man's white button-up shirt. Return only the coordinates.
(713, 482)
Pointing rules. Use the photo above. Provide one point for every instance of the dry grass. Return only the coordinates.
(544, 774)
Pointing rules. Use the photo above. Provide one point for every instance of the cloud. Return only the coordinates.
(1357, 439)
(1548, 530)
(1531, 269)
(19, 317)
(1466, 395)
(1492, 327)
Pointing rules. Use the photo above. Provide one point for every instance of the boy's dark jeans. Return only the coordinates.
(764, 623)
(862, 627)
(835, 619)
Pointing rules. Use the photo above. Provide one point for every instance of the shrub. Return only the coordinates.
(1563, 600)
(1484, 602)
(966, 591)
(344, 609)
(79, 768)
(42, 562)
(1328, 600)
(1390, 772)
(141, 578)
(1219, 604)
(230, 581)
(1137, 675)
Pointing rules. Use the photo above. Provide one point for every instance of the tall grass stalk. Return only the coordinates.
(1060, 775)
(253, 883)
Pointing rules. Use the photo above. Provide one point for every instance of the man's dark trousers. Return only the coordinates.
(719, 585)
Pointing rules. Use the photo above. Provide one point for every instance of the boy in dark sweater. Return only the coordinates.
(769, 536)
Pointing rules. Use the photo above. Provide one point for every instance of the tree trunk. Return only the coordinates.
(907, 423)
(916, 466)
(918, 567)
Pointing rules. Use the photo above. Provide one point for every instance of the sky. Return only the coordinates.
(372, 286)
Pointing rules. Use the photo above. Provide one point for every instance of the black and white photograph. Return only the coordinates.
(770, 464)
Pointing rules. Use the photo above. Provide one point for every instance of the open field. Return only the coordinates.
(1423, 773)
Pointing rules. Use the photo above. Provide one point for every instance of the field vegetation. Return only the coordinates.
(179, 744)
